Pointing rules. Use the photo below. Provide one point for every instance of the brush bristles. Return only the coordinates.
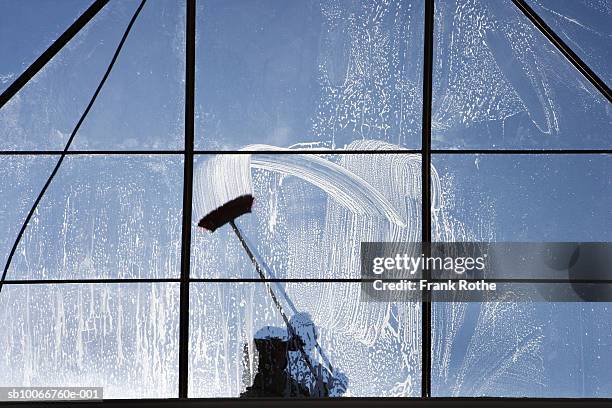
(220, 180)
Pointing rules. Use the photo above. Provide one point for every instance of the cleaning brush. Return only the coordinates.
(225, 196)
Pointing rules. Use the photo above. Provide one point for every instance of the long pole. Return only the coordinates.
(259, 270)
(280, 288)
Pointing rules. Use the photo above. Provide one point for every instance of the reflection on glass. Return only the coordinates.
(102, 217)
(120, 337)
(584, 25)
(528, 197)
(308, 73)
(523, 349)
(141, 104)
(499, 83)
(375, 345)
(22, 177)
(28, 28)
(311, 212)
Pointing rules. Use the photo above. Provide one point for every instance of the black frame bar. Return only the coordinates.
(87, 281)
(50, 52)
(296, 151)
(482, 402)
(571, 56)
(426, 195)
(187, 198)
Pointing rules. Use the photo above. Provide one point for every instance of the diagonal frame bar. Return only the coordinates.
(50, 52)
(571, 56)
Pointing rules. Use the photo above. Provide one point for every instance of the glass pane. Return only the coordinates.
(22, 177)
(140, 105)
(28, 28)
(102, 217)
(584, 25)
(523, 349)
(499, 83)
(120, 337)
(375, 345)
(308, 73)
(311, 212)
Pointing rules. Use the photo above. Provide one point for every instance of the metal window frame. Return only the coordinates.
(189, 153)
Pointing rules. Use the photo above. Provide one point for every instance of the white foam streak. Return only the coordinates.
(219, 180)
(225, 177)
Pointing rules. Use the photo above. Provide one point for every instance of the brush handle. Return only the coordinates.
(280, 288)
(274, 299)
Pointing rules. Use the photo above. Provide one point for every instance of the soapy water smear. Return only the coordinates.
(225, 177)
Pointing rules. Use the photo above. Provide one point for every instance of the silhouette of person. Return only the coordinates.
(282, 370)
(322, 383)
(272, 378)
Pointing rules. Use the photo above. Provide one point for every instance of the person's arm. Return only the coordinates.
(338, 385)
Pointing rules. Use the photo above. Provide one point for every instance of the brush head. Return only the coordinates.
(227, 212)
(222, 190)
